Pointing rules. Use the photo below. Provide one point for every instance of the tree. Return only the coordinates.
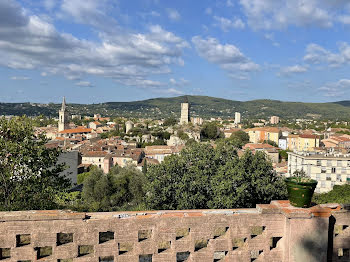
(203, 177)
(241, 136)
(120, 189)
(340, 194)
(210, 131)
(171, 121)
(29, 172)
(270, 142)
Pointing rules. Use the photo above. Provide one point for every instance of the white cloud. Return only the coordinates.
(180, 83)
(173, 14)
(227, 24)
(20, 78)
(227, 56)
(208, 11)
(49, 4)
(229, 3)
(335, 89)
(131, 58)
(296, 69)
(84, 84)
(316, 54)
(91, 12)
(272, 14)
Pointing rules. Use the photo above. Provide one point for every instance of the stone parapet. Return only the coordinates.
(269, 232)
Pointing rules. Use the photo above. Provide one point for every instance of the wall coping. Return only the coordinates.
(275, 207)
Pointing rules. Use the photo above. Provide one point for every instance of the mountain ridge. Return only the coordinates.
(203, 106)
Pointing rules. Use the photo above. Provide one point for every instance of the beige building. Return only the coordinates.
(237, 118)
(327, 169)
(261, 134)
(94, 158)
(160, 152)
(303, 142)
(185, 113)
(274, 120)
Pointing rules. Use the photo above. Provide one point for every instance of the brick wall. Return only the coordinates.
(273, 232)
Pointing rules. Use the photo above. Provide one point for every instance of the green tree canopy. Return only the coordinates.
(210, 131)
(171, 121)
(29, 172)
(241, 136)
(340, 194)
(120, 189)
(204, 177)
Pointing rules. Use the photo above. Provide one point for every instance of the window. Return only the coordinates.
(339, 163)
(323, 170)
(329, 163)
(318, 162)
(328, 177)
(348, 163)
(333, 169)
(318, 176)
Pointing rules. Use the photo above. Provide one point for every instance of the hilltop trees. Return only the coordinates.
(204, 177)
(29, 173)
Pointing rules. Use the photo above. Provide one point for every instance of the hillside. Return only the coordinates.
(203, 106)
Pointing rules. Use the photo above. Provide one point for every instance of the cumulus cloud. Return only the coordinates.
(84, 84)
(316, 54)
(180, 83)
(296, 69)
(335, 89)
(173, 14)
(20, 78)
(91, 12)
(28, 42)
(272, 14)
(226, 24)
(227, 56)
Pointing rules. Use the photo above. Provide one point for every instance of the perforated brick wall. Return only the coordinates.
(274, 232)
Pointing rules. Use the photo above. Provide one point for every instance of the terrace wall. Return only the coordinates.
(273, 232)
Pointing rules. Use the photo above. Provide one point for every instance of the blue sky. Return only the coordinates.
(95, 51)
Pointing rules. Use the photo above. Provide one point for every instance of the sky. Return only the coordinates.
(94, 51)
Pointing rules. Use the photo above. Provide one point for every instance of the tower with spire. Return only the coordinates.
(63, 117)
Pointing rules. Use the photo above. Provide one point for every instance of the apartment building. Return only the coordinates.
(328, 169)
(260, 134)
(303, 142)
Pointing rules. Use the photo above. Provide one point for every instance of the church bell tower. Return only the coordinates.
(63, 117)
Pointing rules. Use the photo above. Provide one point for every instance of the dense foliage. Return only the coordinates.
(204, 177)
(340, 194)
(120, 189)
(29, 173)
(209, 131)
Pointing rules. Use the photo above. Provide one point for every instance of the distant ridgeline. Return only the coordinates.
(203, 106)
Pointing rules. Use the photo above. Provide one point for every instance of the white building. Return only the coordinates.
(237, 118)
(282, 143)
(128, 126)
(327, 169)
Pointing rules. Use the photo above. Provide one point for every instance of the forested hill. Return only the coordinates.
(203, 106)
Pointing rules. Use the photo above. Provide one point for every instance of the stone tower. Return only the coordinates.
(63, 117)
(185, 112)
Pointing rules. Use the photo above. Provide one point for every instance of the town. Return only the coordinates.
(319, 149)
